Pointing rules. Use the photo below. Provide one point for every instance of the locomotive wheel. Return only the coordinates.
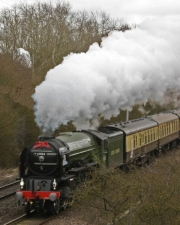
(64, 204)
(56, 207)
(82, 177)
(27, 208)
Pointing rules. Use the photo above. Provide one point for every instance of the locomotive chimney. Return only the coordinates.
(127, 116)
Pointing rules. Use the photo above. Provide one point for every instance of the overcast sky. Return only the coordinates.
(133, 11)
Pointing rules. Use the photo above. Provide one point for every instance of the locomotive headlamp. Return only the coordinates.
(54, 184)
(22, 183)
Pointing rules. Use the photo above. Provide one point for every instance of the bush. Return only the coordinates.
(142, 196)
(17, 126)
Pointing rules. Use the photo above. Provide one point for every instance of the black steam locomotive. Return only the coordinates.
(52, 167)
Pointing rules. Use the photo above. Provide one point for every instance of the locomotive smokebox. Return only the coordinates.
(43, 157)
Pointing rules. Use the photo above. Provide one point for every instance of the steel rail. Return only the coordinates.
(19, 218)
(9, 185)
(6, 196)
(6, 187)
(61, 213)
(49, 219)
(15, 220)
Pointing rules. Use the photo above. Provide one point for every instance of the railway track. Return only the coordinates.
(32, 219)
(35, 218)
(16, 220)
(8, 190)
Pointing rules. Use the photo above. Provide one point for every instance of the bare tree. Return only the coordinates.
(51, 32)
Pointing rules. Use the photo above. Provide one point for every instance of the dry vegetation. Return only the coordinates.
(16, 114)
(142, 196)
(51, 32)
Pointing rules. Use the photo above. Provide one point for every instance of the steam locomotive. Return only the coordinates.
(52, 167)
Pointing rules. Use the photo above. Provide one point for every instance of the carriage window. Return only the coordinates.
(176, 125)
(140, 139)
(145, 137)
(132, 144)
(149, 135)
(165, 130)
(156, 136)
(153, 134)
(134, 141)
(162, 131)
(168, 128)
(173, 126)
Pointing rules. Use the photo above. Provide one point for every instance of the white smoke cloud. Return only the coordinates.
(128, 68)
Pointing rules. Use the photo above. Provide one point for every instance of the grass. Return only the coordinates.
(8, 172)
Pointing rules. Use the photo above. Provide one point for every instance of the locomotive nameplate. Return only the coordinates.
(47, 164)
(116, 151)
(44, 153)
(39, 153)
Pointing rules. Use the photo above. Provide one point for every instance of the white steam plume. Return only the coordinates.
(128, 68)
